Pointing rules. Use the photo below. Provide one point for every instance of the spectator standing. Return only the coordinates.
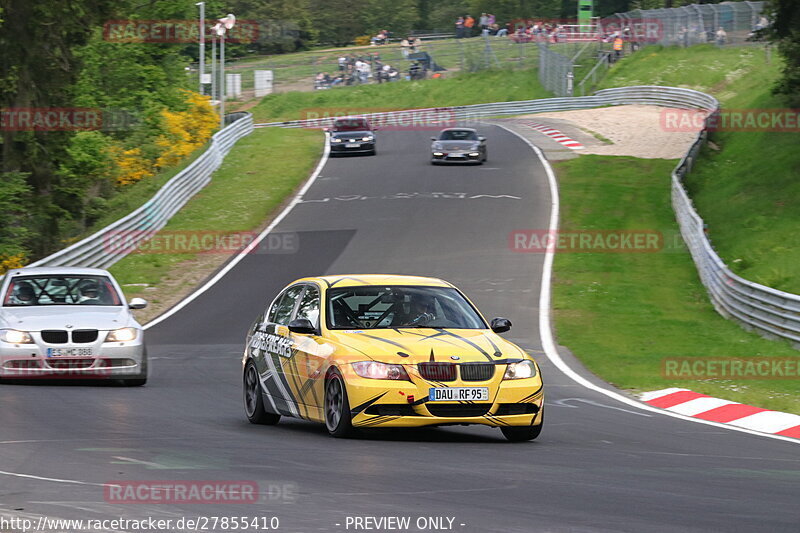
(469, 23)
(618, 44)
(483, 22)
(460, 28)
(721, 36)
(405, 47)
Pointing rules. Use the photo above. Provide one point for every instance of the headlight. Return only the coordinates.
(13, 336)
(121, 335)
(335, 140)
(366, 139)
(521, 370)
(474, 154)
(438, 154)
(375, 370)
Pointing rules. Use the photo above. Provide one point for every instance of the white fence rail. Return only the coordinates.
(769, 311)
(99, 250)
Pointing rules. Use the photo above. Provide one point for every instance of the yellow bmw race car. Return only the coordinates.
(387, 351)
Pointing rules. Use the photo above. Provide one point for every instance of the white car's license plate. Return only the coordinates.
(70, 352)
(452, 394)
(353, 145)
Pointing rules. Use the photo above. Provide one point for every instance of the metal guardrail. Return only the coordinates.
(98, 250)
(769, 311)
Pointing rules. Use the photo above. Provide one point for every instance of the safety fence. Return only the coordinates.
(98, 250)
(725, 24)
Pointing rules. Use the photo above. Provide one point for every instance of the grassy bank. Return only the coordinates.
(624, 314)
(464, 89)
(261, 171)
(746, 186)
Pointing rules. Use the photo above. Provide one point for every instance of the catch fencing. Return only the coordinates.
(769, 311)
(97, 249)
(725, 24)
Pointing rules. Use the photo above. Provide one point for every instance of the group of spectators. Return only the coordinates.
(467, 26)
(354, 70)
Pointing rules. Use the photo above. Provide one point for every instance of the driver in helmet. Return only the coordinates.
(88, 292)
(422, 310)
(24, 293)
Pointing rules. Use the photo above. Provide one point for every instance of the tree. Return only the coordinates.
(784, 31)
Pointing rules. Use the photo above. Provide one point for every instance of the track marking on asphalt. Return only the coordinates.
(563, 403)
(411, 196)
(51, 479)
(243, 253)
(545, 321)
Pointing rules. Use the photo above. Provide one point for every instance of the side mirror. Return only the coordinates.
(482, 139)
(433, 138)
(500, 325)
(302, 325)
(137, 303)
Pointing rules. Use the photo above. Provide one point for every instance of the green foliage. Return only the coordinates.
(785, 32)
(15, 203)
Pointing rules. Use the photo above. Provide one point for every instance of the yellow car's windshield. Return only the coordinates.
(382, 307)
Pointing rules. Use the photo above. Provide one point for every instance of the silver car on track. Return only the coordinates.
(458, 145)
(69, 322)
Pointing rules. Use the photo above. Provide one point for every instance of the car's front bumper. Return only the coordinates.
(362, 148)
(108, 360)
(455, 157)
(387, 403)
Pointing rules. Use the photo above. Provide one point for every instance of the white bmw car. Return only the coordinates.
(69, 322)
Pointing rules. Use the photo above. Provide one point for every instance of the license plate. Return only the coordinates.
(69, 352)
(452, 394)
(353, 145)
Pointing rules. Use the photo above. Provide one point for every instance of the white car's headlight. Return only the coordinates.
(121, 335)
(13, 336)
(521, 370)
(474, 154)
(376, 370)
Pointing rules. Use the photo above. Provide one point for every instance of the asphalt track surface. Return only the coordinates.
(599, 465)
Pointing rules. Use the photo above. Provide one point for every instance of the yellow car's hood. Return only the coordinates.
(416, 345)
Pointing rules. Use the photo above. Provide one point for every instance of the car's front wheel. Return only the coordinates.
(522, 433)
(337, 406)
(254, 400)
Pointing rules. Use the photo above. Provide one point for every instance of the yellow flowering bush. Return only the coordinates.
(10, 262)
(131, 165)
(186, 130)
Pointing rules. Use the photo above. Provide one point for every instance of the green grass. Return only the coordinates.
(623, 314)
(258, 174)
(748, 192)
(481, 87)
